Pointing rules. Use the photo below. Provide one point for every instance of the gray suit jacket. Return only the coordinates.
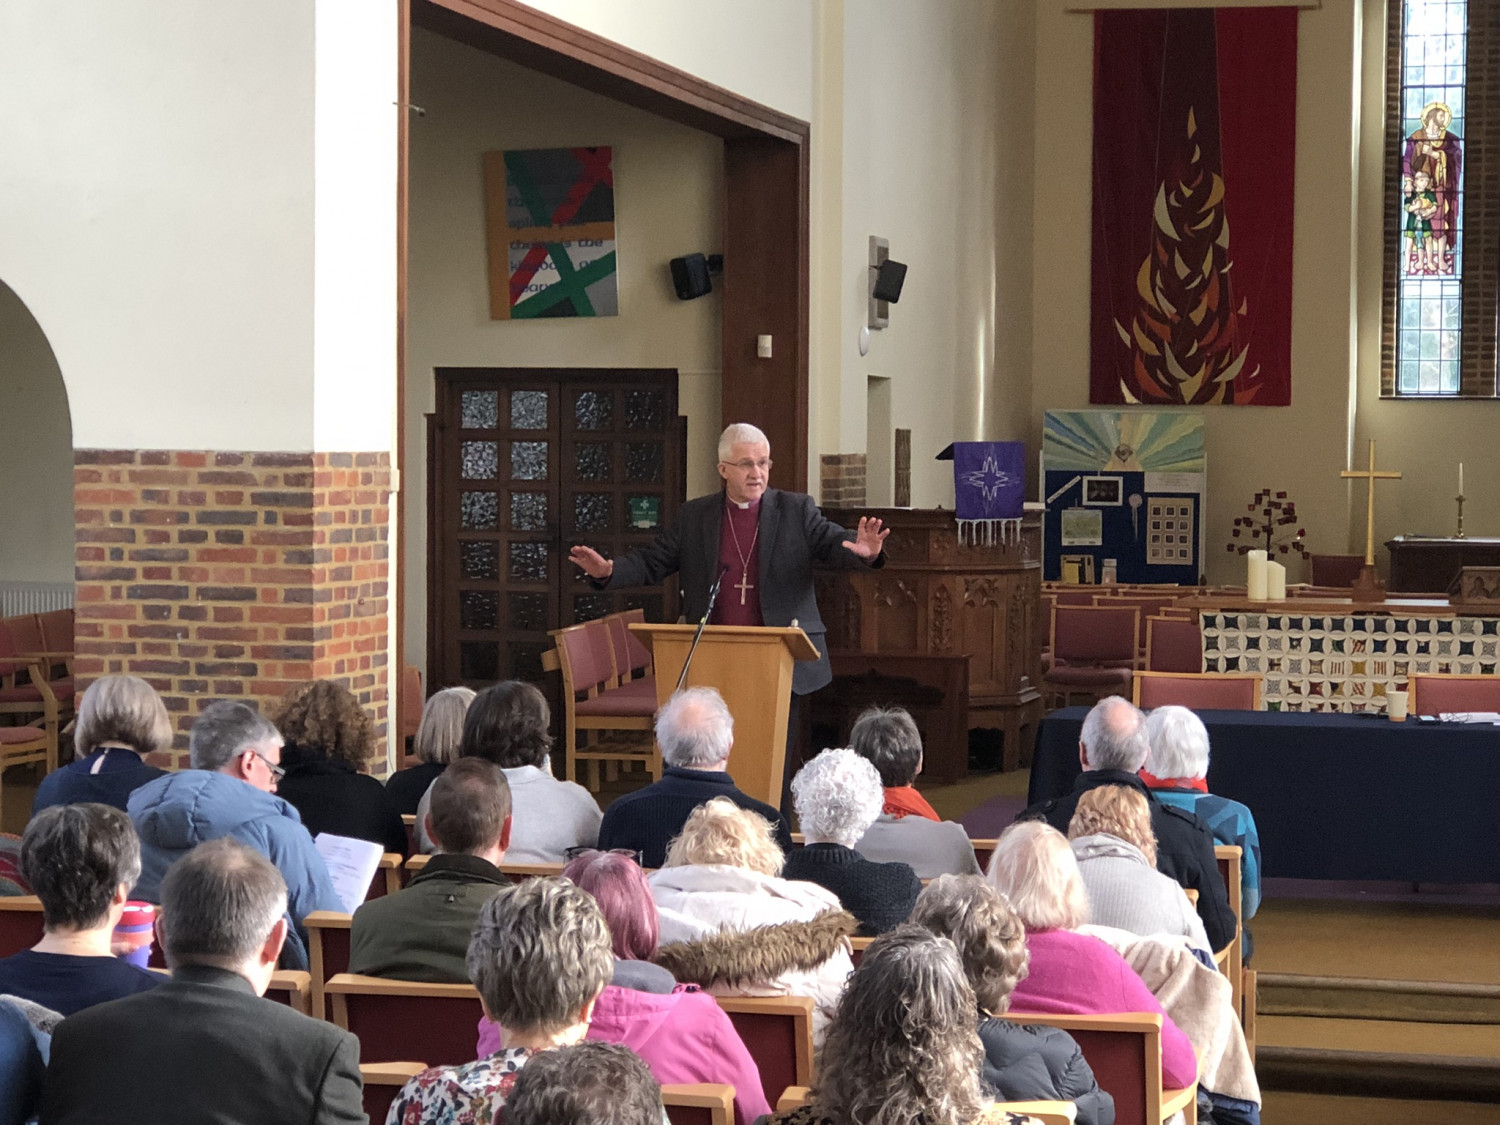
(793, 535)
(201, 1049)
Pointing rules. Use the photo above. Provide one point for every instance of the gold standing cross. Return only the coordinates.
(1371, 476)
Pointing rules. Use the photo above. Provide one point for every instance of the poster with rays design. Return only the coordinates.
(1126, 487)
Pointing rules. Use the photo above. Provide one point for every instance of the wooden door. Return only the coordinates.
(524, 463)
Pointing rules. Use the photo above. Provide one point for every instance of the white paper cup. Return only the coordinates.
(1395, 706)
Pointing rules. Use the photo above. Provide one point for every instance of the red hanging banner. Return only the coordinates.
(1194, 128)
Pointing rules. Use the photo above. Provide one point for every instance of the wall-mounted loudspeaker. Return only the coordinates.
(889, 279)
(691, 275)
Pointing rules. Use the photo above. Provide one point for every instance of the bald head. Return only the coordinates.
(1114, 736)
(695, 730)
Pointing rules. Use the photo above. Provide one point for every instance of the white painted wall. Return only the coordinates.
(922, 127)
(669, 188)
(156, 210)
(761, 49)
(36, 453)
(354, 212)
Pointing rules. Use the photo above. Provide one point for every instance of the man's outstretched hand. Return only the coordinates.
(591, 562)
(867, 543)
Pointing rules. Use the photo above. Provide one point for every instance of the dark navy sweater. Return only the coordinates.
(646, 820)
(880, 895)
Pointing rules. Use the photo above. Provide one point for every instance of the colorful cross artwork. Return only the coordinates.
(551, 233)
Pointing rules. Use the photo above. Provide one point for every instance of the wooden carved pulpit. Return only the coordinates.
(954, 628)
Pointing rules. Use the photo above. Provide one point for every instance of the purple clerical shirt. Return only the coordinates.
(737, 604)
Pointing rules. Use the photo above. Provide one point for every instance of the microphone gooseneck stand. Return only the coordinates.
(713, 596)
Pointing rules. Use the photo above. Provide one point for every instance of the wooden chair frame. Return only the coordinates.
(1231, 860)
(516, 870)
(715, 1097)
(798, 1008)
(343, 985)
(22, 904)
(1061, 695)
(298, 987)
(1160, 1103)
(1413, 681)
(1048, 1112)
(316, 924)
(1142, 676)
(1181, 615)
(42, 748)
(49, 710)
(622, 747)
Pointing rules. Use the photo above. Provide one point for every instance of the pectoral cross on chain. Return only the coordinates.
(744, 585)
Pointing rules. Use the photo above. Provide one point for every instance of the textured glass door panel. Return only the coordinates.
(594, 410)
(590, 607)
(480, 410)
(478, 511)
(478, 610)
(593, 461)
(645, 410)
(528, 460)
(479, 560)
(528, 611)
(526, 660)
(479, 660)
(528, 511)
(481, 460)
(528, 410)
(592, 512)
(643, 462)
(528, 562)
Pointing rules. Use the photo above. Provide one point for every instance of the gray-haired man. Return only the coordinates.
(206, 1045)
(231, 791)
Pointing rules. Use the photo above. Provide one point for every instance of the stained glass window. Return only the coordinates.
(1429, 275)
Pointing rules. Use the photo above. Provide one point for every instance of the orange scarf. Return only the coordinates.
(903, 800)
(1154, 782)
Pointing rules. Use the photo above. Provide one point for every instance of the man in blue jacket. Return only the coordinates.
(235, 753)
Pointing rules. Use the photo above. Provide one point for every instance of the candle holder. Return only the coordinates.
(1460, 499)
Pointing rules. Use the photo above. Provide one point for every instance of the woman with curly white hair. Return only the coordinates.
(730, 923)
(838, 795)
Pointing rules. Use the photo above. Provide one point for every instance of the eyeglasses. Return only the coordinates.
(578, 850)
(764, 465)
(276, 771)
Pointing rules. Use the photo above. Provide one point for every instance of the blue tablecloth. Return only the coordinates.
(1339, 796)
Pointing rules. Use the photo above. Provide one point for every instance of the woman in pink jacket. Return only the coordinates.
(681, 1033)
(1071, 973)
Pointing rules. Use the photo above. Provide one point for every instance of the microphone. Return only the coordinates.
(713, 596)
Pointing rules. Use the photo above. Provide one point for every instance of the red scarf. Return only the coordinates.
(903, 800)
(1154, 782)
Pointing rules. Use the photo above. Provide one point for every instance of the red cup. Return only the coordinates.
(136, 929)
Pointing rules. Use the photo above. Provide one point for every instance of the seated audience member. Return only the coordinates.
(695, 732)
(121, 719)
(235, 755)
(81, 861)
(1176, 772)
(730, 925)
(508, 724)
(22, 1066)
(680, 1032)
(838, 795)
(206, 1045)
(422, 932)
(1034, 868)
(903, 1046)
(436, 744)
(1116, 852)
(907, 830)
(586, 1084)
(1112, 747)
(539, 958)
(1022, 1062)
(329, 743)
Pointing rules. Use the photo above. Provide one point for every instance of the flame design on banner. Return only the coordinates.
(1185, 334)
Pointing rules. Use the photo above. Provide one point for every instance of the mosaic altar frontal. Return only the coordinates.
(1345, 663)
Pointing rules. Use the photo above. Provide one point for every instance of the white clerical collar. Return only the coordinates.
(741, 505)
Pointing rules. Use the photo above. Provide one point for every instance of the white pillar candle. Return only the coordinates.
(1460, 478)
(1255, 578)
(1275, 582)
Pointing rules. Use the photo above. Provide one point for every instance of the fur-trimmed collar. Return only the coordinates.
(732, 957)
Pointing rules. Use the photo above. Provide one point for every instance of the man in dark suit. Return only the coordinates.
(1112, 749)
(206, 1046)
(764, 542)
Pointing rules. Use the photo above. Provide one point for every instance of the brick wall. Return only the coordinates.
(842, 479)
(219, 575)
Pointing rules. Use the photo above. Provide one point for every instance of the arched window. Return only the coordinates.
(1442, 246)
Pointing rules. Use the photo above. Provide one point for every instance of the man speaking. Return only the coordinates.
(764, 542)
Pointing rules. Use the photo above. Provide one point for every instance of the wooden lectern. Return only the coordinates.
(751, 667)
